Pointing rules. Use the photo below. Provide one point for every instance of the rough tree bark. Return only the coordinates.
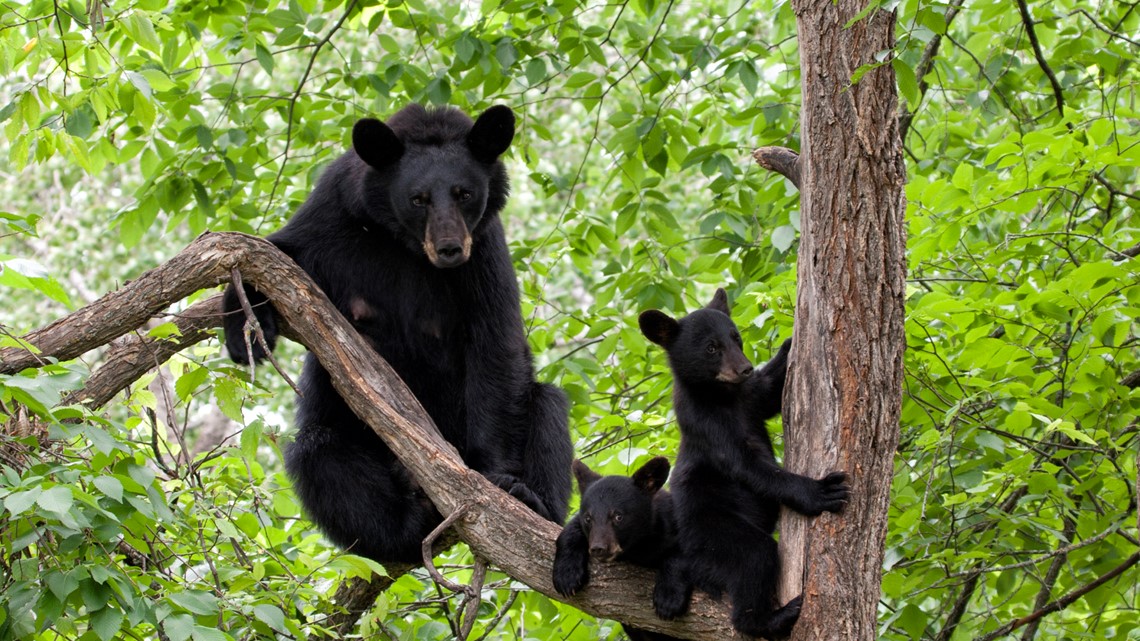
(495, 526)
(844, 391)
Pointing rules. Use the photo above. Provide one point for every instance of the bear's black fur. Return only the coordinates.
(727, 486)
(404, 237)
(620, 519)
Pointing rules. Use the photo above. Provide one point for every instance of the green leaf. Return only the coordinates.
(264, 58)
(110, 486)
(190, 381)
(178, 627)
(270, 615)
(195, 601)
(250, 438)
(908, 84)
(535, 71)
(157, 80)
(58, 499)
(140, 82)
(748, 76)
(18, 502)
(142, 31)
(783, 237)
(913, 620)
(107, 622)
(202, 633)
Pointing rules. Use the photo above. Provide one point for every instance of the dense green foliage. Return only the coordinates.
(131, 127)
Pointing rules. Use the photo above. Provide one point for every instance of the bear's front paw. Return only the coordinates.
(570, 575)
(514, 486)
(670, 601)
(833, 492)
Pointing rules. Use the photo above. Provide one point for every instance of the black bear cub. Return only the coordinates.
(621, 518)
(727, 486)
(403, 235)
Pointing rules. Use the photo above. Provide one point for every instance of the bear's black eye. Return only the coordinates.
(464, 195)
(712, 348)
(617, 517)
(419, 201)
(586, 518)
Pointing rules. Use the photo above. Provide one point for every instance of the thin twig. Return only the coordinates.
(1105, 29)
(252, 324)
(297, 94)
(924, 67)
(426, 550)
(158, 460)
(1061, 551)
(469, 607)
(1027, 20)
(1049, 581)
(499, 616)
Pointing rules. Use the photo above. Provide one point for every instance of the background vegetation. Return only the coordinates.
(131, 127)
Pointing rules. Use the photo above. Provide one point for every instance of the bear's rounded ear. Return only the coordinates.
(659, 327)
(584, 474)
(719, 301)
(492, 133)
(651, 476)
(376, 143)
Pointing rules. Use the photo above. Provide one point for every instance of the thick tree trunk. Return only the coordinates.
(844, 392)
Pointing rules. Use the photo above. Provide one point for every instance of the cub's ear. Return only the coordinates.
(719, 301)
(492, 133)
(659, 327)
(585, 475)
(651, 476)
(376, 143)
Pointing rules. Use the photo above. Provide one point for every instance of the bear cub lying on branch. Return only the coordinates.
(620, 519)
(403, 235)
(727, 487)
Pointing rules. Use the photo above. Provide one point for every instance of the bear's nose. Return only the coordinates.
(746, 370)
(603, 553)
(450, 250)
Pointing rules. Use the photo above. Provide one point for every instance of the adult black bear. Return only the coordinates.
(620, 518)
(727, 486)
(404, 237)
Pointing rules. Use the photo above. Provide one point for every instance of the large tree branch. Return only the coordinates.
(137, 353)
(496, 527)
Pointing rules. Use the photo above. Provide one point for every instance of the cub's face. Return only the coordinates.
(616, 516)
(437, 185)
(704, 347)
(617, 511)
